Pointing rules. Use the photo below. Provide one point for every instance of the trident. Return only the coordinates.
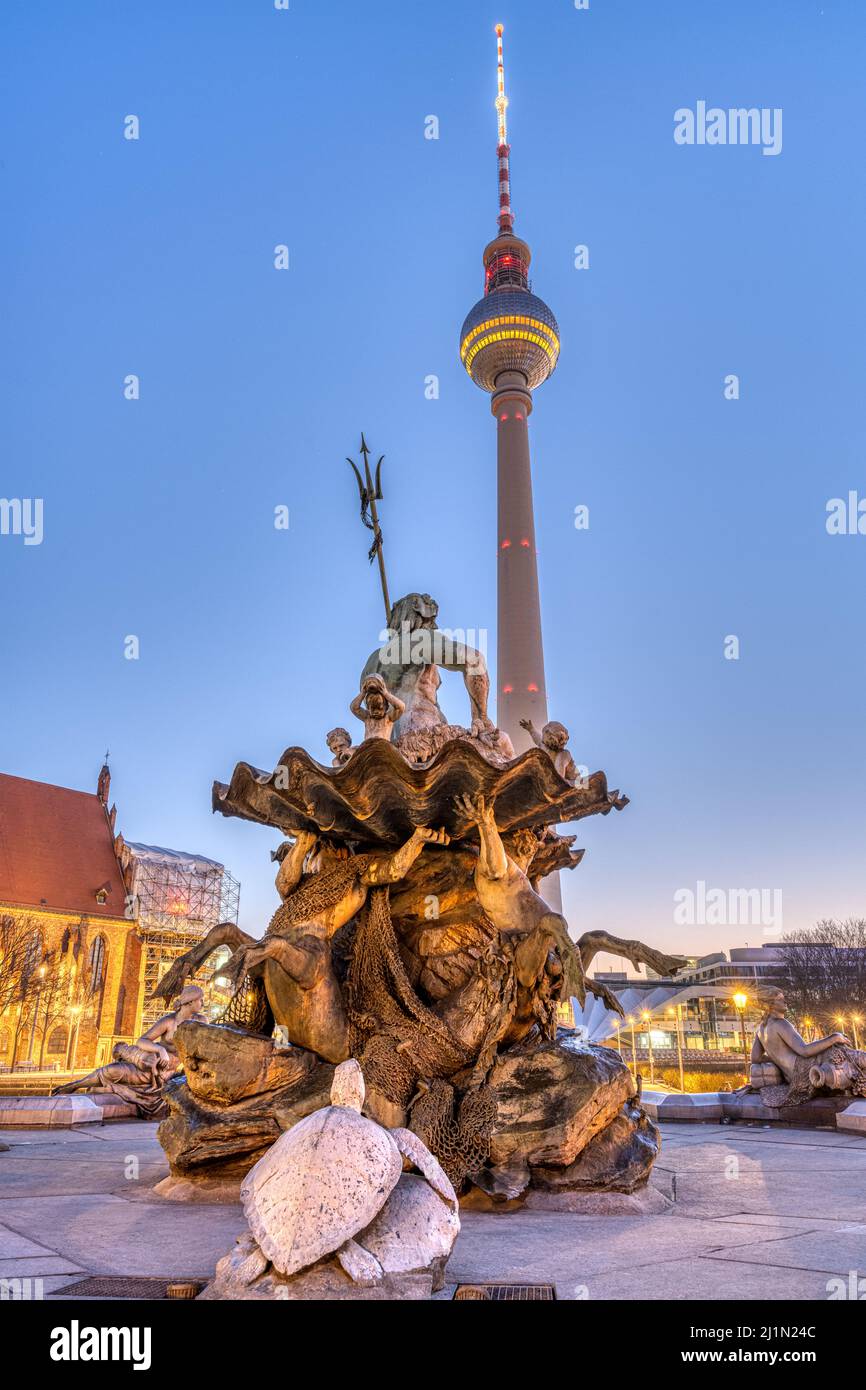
(370, 495)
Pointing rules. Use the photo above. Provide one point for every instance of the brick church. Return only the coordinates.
(88, 923)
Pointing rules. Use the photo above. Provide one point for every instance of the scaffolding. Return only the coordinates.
(177, 898)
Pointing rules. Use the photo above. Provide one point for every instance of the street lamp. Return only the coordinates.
(855, 1019)
(617, 1025)
(647, 1018)
(629, 1023)
(676, 1012)
(740, 1002)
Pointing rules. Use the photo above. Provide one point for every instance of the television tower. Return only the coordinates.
(509, 344)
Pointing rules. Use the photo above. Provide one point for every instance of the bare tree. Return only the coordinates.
(40, 988)
(824, 970)
(21, 952)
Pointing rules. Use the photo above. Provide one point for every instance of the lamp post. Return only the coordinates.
(629, 1022)
(647, 1018)
(617, 1025)
(855, 1019)
(808, 1023)
(740, 1002)
(677, 1021)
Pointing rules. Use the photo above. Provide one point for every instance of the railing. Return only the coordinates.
(35, 1081)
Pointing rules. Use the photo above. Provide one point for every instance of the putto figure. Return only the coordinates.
(553, 738)
(339, 742)
(377, 708)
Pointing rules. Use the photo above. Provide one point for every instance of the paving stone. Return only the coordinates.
(788, 1215)
(48, 1111)
(853, 1118)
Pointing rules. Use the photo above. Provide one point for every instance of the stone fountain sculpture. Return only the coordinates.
(786, 1070)
(411, 936)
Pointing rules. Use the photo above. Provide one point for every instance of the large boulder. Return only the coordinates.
(552, 1099)
(618, 1159)
(240, 1092)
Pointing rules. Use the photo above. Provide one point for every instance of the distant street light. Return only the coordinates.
(647, 1018)
(629, 1023)
(676, 1012)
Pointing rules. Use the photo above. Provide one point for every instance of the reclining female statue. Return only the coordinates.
(827, 1063)
(139, 1070)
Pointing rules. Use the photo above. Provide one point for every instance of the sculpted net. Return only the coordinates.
(462, 1145)
(395, 1035)
(249, 1009)
(316, 893)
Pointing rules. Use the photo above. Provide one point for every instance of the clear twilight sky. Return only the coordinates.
(306, 127)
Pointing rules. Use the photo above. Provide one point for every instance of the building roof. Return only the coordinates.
(155, 854)
(57, 850)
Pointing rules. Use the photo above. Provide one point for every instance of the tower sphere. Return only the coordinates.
(509, 330)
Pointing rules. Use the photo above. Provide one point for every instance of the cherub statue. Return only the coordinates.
(830, 1062)
(553, 738)
(494, 742)
(339, 742)
(382, 708)
(139, 1070)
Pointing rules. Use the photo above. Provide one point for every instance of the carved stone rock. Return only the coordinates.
(618, 1159)
(246, 1275)
(552, 1099)
(240, 1093)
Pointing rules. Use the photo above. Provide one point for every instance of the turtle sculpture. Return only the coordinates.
(334, 1185)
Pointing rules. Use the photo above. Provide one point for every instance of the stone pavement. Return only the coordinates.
(758, 1213)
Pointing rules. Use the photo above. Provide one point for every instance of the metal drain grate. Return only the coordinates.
(506, 1293)
(120, 1286)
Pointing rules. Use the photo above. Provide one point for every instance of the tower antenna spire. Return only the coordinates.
(503, 151)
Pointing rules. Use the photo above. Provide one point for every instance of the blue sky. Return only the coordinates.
(707, 516)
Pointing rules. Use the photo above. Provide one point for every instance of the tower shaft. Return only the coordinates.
(520, 657)
(509, 345)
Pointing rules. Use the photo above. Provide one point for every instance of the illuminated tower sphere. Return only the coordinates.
(509, 344)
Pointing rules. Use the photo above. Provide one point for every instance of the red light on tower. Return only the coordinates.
(532, 687)
(507, 689)
(525, 543)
